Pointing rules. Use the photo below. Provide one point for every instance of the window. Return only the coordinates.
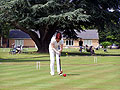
(69, 42)
(19, 42)
(88, 42)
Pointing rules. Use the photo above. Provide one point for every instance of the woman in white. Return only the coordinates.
(55, 48)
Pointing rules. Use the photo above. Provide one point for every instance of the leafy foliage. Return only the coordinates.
(66, 14)
(34, 14)
(106, 43)
(49, 16)
(4, 26)
(102, 18)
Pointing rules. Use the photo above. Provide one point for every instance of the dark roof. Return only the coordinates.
(18, 34)
(88, 34)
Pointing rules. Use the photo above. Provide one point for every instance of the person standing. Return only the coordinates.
(80, 44)
(55, 48)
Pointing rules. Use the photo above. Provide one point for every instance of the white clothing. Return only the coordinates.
(52, 62)
(53, 54)
(56, 44)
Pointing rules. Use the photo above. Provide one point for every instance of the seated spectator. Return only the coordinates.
(19, 49)
(13, 45)
(90, 49)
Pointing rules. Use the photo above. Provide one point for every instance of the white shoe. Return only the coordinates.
(60, 73)
(52, 74)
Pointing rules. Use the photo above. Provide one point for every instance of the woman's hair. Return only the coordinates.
(58, 36)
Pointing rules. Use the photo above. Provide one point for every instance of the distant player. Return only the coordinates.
(80, 44)
(55, 48)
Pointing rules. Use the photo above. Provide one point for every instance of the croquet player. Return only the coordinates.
(55, 48)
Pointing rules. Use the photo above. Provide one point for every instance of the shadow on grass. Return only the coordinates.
(17, 60)
(87, 54)
(32, 59)
(23, 59)
(72, 74)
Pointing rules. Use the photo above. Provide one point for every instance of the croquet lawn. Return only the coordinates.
(19, 72)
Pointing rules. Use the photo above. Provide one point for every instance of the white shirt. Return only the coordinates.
(56, 44)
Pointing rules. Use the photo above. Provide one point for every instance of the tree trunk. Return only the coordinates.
(42, 43)
(43, 47)
(1, 41)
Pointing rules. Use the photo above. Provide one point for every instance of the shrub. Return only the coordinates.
(106, 43)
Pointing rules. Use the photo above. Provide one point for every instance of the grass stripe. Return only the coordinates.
(82, 74)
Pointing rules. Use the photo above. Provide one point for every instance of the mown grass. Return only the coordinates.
(18, 72)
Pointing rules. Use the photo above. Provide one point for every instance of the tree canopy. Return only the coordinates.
(44, 16)
(49, 16)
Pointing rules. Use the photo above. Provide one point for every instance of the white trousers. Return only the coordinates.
(52, 62)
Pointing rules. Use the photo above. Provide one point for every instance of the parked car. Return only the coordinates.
(113, 46)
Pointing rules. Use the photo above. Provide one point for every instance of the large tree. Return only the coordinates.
(49, 16)
(45, 17)
(4, 26)
(105, 16)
